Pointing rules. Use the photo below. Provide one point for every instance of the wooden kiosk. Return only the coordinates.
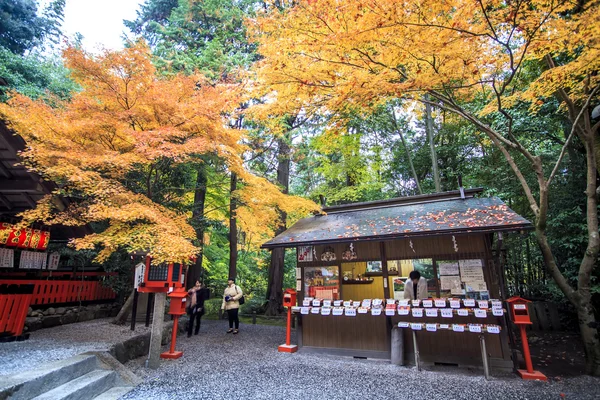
(357, 253)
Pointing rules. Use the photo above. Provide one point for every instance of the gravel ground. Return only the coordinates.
(62, 342)
(216, 365)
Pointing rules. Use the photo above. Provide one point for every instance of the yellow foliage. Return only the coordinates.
(332, 55)
(125, 119)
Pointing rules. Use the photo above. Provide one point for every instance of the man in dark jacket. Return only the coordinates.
(197, 295)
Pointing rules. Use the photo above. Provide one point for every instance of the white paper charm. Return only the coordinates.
(493, 329)
(417, 312)
(304, 310)
(403, 310)
(475, 328)
(479, 313)
(458, 328)
(462, 312)
(416, 327)
(446, 313)
(431, 312)
(497, 312)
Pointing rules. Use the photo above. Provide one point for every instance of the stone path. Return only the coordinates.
(216, 365)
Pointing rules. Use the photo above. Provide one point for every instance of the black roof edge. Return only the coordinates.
(417, 199)
(463, 231)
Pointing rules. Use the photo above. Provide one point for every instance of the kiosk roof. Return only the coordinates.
(438, 214)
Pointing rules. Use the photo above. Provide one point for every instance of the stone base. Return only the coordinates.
(174, 355)
(284, 348)
(532, 376)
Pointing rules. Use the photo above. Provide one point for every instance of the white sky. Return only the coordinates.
(99, 21)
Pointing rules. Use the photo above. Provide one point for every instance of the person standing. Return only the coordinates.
(231, 303)
(415, 287)
(197, 295)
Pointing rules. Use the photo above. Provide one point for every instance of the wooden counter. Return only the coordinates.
(361, 336)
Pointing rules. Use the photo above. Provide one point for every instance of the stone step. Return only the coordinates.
(114, 393)
(29, 384)
(85, 387)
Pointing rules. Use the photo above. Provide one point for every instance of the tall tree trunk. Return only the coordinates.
(406, 149)
(232, 228)
(429, 130)
(199, 223)
(585, 310)
(277, 265)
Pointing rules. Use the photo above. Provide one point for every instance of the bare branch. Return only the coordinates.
(573, 129)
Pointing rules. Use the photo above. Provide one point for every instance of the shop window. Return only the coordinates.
(405, 267)
(463, 279)
(322, 282)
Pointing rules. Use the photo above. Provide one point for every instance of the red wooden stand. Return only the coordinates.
(287, 347)
(529, 373)
(172, 354)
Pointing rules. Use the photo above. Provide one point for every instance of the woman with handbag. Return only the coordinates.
(197, 295)
(233, 297)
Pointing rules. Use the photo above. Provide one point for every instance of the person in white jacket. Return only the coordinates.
(231, 303)
(415, 287)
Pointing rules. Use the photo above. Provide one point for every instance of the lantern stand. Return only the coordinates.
(176, 309)
(289, 300)
(520, 317)
(160, 280)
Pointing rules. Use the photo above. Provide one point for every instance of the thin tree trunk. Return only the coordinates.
(195, 271)
(232, 228)
(121, 317)
(277, 265)
(429, 130)
(406, 149)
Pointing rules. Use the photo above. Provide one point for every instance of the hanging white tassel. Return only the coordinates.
(412, 246)
(455, 244)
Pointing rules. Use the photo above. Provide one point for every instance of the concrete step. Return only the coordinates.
(85, 387)
(114, 393)
(29, 384)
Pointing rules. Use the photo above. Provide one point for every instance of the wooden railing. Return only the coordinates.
(14, 304)
(47, 292)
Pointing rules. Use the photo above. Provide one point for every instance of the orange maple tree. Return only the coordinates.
(126, 119)
(337, 57)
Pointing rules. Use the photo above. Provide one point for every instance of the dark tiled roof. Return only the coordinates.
(394, 221)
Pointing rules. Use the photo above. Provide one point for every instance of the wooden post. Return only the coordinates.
(484, 356)
(384, 270)
(149, 307)
(416, 346)
(136, 295)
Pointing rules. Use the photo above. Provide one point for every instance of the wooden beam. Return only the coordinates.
(19, 186)
(6, 203)
(32, 203)
(384, 269)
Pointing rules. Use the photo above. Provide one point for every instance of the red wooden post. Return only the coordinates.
(289, 300)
